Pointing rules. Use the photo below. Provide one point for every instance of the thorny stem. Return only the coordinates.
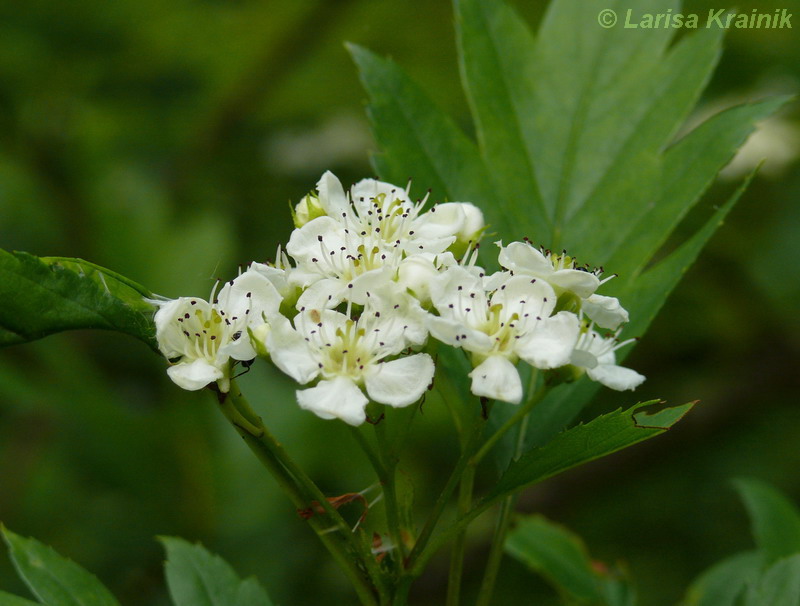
(343, 545)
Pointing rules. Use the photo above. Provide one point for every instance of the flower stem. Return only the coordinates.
(521, 414)
(457, 555)
(342, 545)
(507, 507)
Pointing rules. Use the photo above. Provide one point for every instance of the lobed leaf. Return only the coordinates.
(53, 579)
(602, 436)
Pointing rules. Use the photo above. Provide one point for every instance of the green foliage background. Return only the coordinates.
(164, 140)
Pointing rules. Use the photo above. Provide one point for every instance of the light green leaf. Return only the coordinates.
(602, 436)
(779, 585)
(725, 581)
(196, 577)
(45, 295)
(557, 554)
(6, 599)
(53, 579)
(775, 519)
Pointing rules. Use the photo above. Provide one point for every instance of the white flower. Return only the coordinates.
(595, 354)
(202, 338)
(345, 354)
(563, 274)
(499, 328)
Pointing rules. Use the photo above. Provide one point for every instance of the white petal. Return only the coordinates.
(368, 189)
(304, 244)
(441, 221)
(455, 333)
(171, 340)
(582, 283)
(331, 195)
(250, 294)
(239, 349)
(325, 293)
(194, 375)
(551, 343)
(615, 377)
(525, 259)
(606, 312)
(524, 294)
(498, 379)
(416, 273)
(400, 382)
(290, 352)
(338, 398)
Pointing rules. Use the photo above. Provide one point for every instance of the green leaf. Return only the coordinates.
(602, 436)
(494, 50)
(416, 135)
(689, 168)
(6, 599)
(53, 579)
(196, 577)
(576, 144)
(775, 519)
(779, 585)
(42, 296)
(557, 554)
(561, 557)
(725, 581)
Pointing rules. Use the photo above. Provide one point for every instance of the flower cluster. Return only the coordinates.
(369, 279)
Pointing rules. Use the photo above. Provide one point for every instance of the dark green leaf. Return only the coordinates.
(54, 580)
(605, 434)
(725, 582)
(198, 578)
(557, 554)
(775, 519)
(45, 295)
(6, 599)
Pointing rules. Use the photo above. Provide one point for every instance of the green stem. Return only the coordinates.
(457, 555)
(447, 491)
(507, 508)
(390, 491)
(342, 545)
(521, 414)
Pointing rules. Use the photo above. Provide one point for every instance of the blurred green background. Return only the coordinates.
(164, 141)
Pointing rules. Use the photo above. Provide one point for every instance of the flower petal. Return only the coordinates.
(290, 352)
(615, 377)
(338, 398)
(497, 378)
(400, 382)
(194, 375)
(582, 283)
(331, 195)
(457, 334)
(551, 343)
(523, 258)
(604, 311)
